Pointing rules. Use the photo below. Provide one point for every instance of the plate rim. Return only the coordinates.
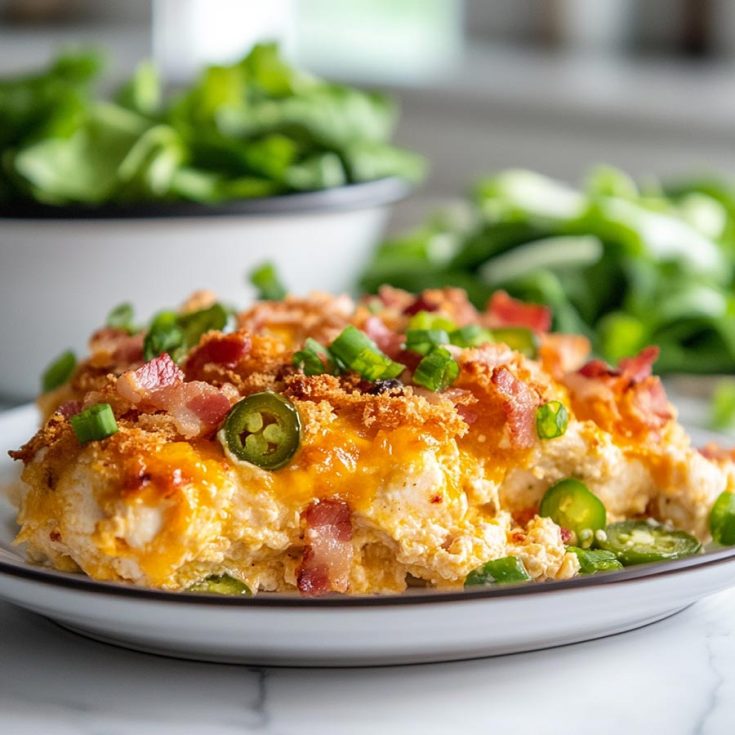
(27, 571)
(78, 582)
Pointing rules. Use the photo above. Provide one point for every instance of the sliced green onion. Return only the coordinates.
(121, 317)
(265, 279)
(424, 340)
(722, 519)
(357, 352)
(314, 359)
(508, 570)
(196, 323)
(94, 423)
(221, 584)
(164, 335)
(431, 320)
(519, 339)
(473, 335)
(436, 371)
(552, 420)
(175, 333)
(592, 561)
(59, 371)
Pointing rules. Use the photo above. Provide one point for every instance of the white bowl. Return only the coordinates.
(61, 270)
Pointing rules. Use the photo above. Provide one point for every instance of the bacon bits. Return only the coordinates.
(116, 347)
(325, 566)
(519, 403)
(138, 385)
(225, 350)
(627, 399)
(197, 408)
(505, 311)
(387, 341)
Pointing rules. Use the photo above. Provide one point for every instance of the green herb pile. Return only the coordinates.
(256, 128)
(624, 265)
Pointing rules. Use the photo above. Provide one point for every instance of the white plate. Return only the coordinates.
(420, 626)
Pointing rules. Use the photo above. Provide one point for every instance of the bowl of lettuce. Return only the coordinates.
(626, 264)
(145, 195)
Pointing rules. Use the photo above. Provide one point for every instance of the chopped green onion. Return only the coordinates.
(196, 323)
(436, 371)
(121, 317)
(314, 359)
(221, 584)
(164, 335)
(507, 570)
(357, 352)
(473, 335)
(552, 420)
(59, 371)
(431, 320)
(265, 279)
(592, 561)
(175, 333)
(722, 519)
(424, 340)
(94, 423)
(519, 339)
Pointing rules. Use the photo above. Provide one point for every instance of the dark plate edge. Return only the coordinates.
(644, 571)
(343, 198)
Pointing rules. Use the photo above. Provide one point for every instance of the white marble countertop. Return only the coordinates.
(675, 677)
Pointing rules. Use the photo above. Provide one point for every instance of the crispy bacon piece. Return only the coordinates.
(505, 311)
(69, 408)
(563, 353)
(421, 303)
(325, 566)
(627, 399)
(519, 406)
(388, 341)
(220, 349)
(716, 453)
(116, 347)
(197, 408)
(640, 366)
(138, 385)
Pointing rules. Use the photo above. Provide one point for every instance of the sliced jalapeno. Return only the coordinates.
(518, 338)
(507, 570)
(592, 561)
(722, 519)
(263, 429)
(571, 505)
(638, 542)
(221, 584)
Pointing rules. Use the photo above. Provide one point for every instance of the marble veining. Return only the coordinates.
(675, 677)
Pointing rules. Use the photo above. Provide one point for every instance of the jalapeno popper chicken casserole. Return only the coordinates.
(319, 445)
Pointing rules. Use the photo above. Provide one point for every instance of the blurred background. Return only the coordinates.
(555, 85)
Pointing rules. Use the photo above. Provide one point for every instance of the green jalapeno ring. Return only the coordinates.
(571, 505)
(722, 519)
(640, 542)
(263, 429)
(221, 584)
(508, 570)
